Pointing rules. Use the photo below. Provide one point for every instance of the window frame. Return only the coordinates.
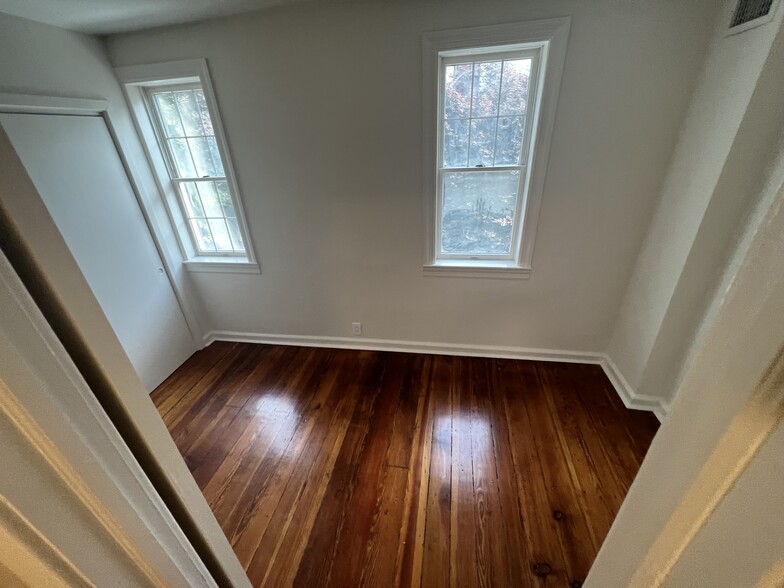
(547, 39)
(138, 82)
(174, 176)
(447, 58)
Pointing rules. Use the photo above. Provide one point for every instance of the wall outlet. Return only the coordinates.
(356, 328)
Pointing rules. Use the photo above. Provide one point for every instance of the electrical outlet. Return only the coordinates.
(356, 328)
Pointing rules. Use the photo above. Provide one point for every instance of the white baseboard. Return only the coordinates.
(627, 395)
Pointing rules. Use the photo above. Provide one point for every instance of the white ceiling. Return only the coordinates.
(114, 16)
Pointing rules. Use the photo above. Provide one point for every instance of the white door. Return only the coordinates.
(78, 173)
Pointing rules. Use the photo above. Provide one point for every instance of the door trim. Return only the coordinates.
(35, 104)
(49, 409)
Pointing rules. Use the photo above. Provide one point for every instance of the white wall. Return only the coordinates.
(700, 209)
(322, 109)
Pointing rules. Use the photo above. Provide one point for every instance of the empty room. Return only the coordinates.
(392, 293)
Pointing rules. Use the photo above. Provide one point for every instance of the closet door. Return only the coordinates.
(74, 164)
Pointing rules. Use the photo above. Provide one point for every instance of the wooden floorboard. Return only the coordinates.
(360, 468)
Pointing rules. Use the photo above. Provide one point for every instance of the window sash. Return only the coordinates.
(165, 140)
(512, 255)
(472, 56)
(177, 180)
(189, 218)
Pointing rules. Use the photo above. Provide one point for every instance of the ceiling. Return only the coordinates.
(114, 16)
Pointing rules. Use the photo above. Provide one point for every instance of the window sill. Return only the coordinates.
(226, 265)
(488, 270)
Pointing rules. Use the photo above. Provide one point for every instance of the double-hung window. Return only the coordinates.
(486, 137)
(175, 110)
(485, 127)
(195, 166)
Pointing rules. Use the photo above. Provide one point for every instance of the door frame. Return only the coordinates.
(102, 362)
(43, 104)
(68, 455)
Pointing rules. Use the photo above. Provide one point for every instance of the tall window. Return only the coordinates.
(485, 128)
(185, 129)
(176, 113)
(489, 107)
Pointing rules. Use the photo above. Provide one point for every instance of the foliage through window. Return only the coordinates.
(485, 122)
(185, 130)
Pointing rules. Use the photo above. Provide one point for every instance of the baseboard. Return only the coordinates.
(627, 395)
(407, 346)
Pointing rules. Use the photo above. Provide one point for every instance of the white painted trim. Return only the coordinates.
(37, 104)
(46, 398)
(477, 271)
(627, 394)
(553, 35)
(29, 430)
(154, 73)
(629, 398)
(30, 556)
(222, 266)
(361, 343)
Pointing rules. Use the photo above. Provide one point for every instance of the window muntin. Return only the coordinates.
(485, 116)
(185, 130)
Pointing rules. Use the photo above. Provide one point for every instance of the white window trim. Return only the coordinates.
(551, 35)
(134, 80)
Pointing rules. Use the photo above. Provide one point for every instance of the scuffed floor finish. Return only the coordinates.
(358, 468)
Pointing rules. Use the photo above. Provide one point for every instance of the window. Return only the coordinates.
(488, 107)
(484, 129)
(195, 166)
(175, 111)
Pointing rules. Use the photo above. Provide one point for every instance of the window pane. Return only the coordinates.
(167, 110)
(204, 112)
(457, 90)
(189, 111)
(202, 158)
(216, 158)
(209, 199)
(455, 142)
(236, 236)
(487, 84)
(509, 140)
(478, 212)
(224, 197)
(201, 232)
(514, 88)
(220, 233)
(190, 197)
(182, 158)
(482, 142)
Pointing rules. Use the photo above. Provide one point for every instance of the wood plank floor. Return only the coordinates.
(331, 467)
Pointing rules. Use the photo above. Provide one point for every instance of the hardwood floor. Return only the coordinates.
(330, 467)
